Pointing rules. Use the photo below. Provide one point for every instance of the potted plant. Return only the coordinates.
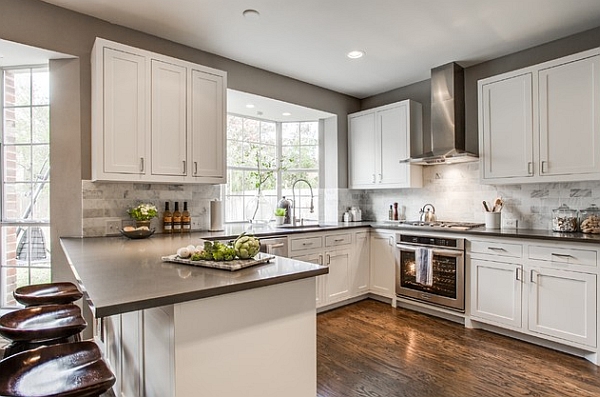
(280, 215)
(143, 214)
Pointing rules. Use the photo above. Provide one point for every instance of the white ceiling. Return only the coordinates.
(308, 39)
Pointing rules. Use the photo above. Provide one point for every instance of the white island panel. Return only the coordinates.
(259, 342)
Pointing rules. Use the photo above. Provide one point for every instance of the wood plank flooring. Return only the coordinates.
(369, 349)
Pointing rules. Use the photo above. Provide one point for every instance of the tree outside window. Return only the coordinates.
(269, 156)
(25, 205)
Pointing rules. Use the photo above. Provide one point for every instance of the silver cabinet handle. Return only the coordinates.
(496, 249)
(338, 240)
(391, 240)
(328, 259)
(184, 166)
(380, 178)
(531, 276)
(195, 168)
(374, 178)
(307, 244)
(320, 259)
(544, 167)
(141, 164)
(517, 274)
(530, 168)
(561, 255)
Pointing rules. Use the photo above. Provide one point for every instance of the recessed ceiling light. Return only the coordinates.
(355, 54)
(286, 114)
(250, 106)
(251, 14)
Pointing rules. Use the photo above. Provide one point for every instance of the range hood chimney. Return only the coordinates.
(447, 118)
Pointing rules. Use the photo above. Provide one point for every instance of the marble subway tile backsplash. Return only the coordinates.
(457, 194)
(103, 201)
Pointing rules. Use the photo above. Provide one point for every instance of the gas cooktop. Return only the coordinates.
(437, 224)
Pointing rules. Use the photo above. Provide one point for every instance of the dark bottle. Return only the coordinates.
(176, 219)
(391, 213)
(167, 220)
(395, 211)
(186, 220)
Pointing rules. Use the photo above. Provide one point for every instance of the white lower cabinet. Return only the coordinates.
(383, 263)
(359, 264)
(346, 253)
(562, 304)
(316, 258)
(496, 292)
(548, 291)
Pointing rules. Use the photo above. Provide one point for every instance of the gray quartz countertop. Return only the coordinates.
(536, 234)
(232, 230)
(119, 275)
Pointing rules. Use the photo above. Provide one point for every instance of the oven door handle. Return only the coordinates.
(436, 251)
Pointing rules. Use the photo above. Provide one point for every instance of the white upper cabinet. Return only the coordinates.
(121, 148)
(569, 96)
(156, 118)
(169, 129)
(542, 123)
(379, 144)
(207, 110)
(506, 116)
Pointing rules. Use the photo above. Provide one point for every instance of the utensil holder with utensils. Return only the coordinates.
(493, 218)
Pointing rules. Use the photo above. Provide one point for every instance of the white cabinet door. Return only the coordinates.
(321, 281)
(506, 127)
(338, 279)
(207, 127)
(120, 141)
(359, 265)
(394, 146)
(169, 129)
(363, 143)
(562, 304)
(383, 268)
(569, 95)
(496, 292)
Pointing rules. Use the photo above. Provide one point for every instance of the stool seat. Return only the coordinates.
(51, 293)
(42, 323)
(67, 370)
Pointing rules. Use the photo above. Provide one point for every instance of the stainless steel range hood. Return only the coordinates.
(447, 118)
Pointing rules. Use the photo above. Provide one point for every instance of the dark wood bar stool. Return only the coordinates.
(73, 369)
(45, 294)
(40, 325)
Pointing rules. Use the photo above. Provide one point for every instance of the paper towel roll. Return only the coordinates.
(216, 216)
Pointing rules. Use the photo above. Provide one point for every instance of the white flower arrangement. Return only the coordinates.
(143, 212)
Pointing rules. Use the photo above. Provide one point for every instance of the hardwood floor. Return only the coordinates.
(369, 349)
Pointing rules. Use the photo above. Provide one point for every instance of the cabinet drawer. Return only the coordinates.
(307, 243)
(338, 239)
(571, 256)
(497, 248)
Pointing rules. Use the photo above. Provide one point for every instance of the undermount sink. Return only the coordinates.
(300, 226)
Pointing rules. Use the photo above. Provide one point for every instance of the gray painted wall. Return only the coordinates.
(420, 92)
(42, 25)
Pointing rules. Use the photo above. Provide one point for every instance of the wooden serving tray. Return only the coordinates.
(233, 265)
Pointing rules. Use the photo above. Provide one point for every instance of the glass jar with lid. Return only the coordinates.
(589, 220)
(564, 219)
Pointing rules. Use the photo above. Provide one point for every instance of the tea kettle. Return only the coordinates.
(427, 213)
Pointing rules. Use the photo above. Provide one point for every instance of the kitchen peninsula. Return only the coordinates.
(179, 330)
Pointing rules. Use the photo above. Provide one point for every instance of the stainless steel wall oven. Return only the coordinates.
(441, 260)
